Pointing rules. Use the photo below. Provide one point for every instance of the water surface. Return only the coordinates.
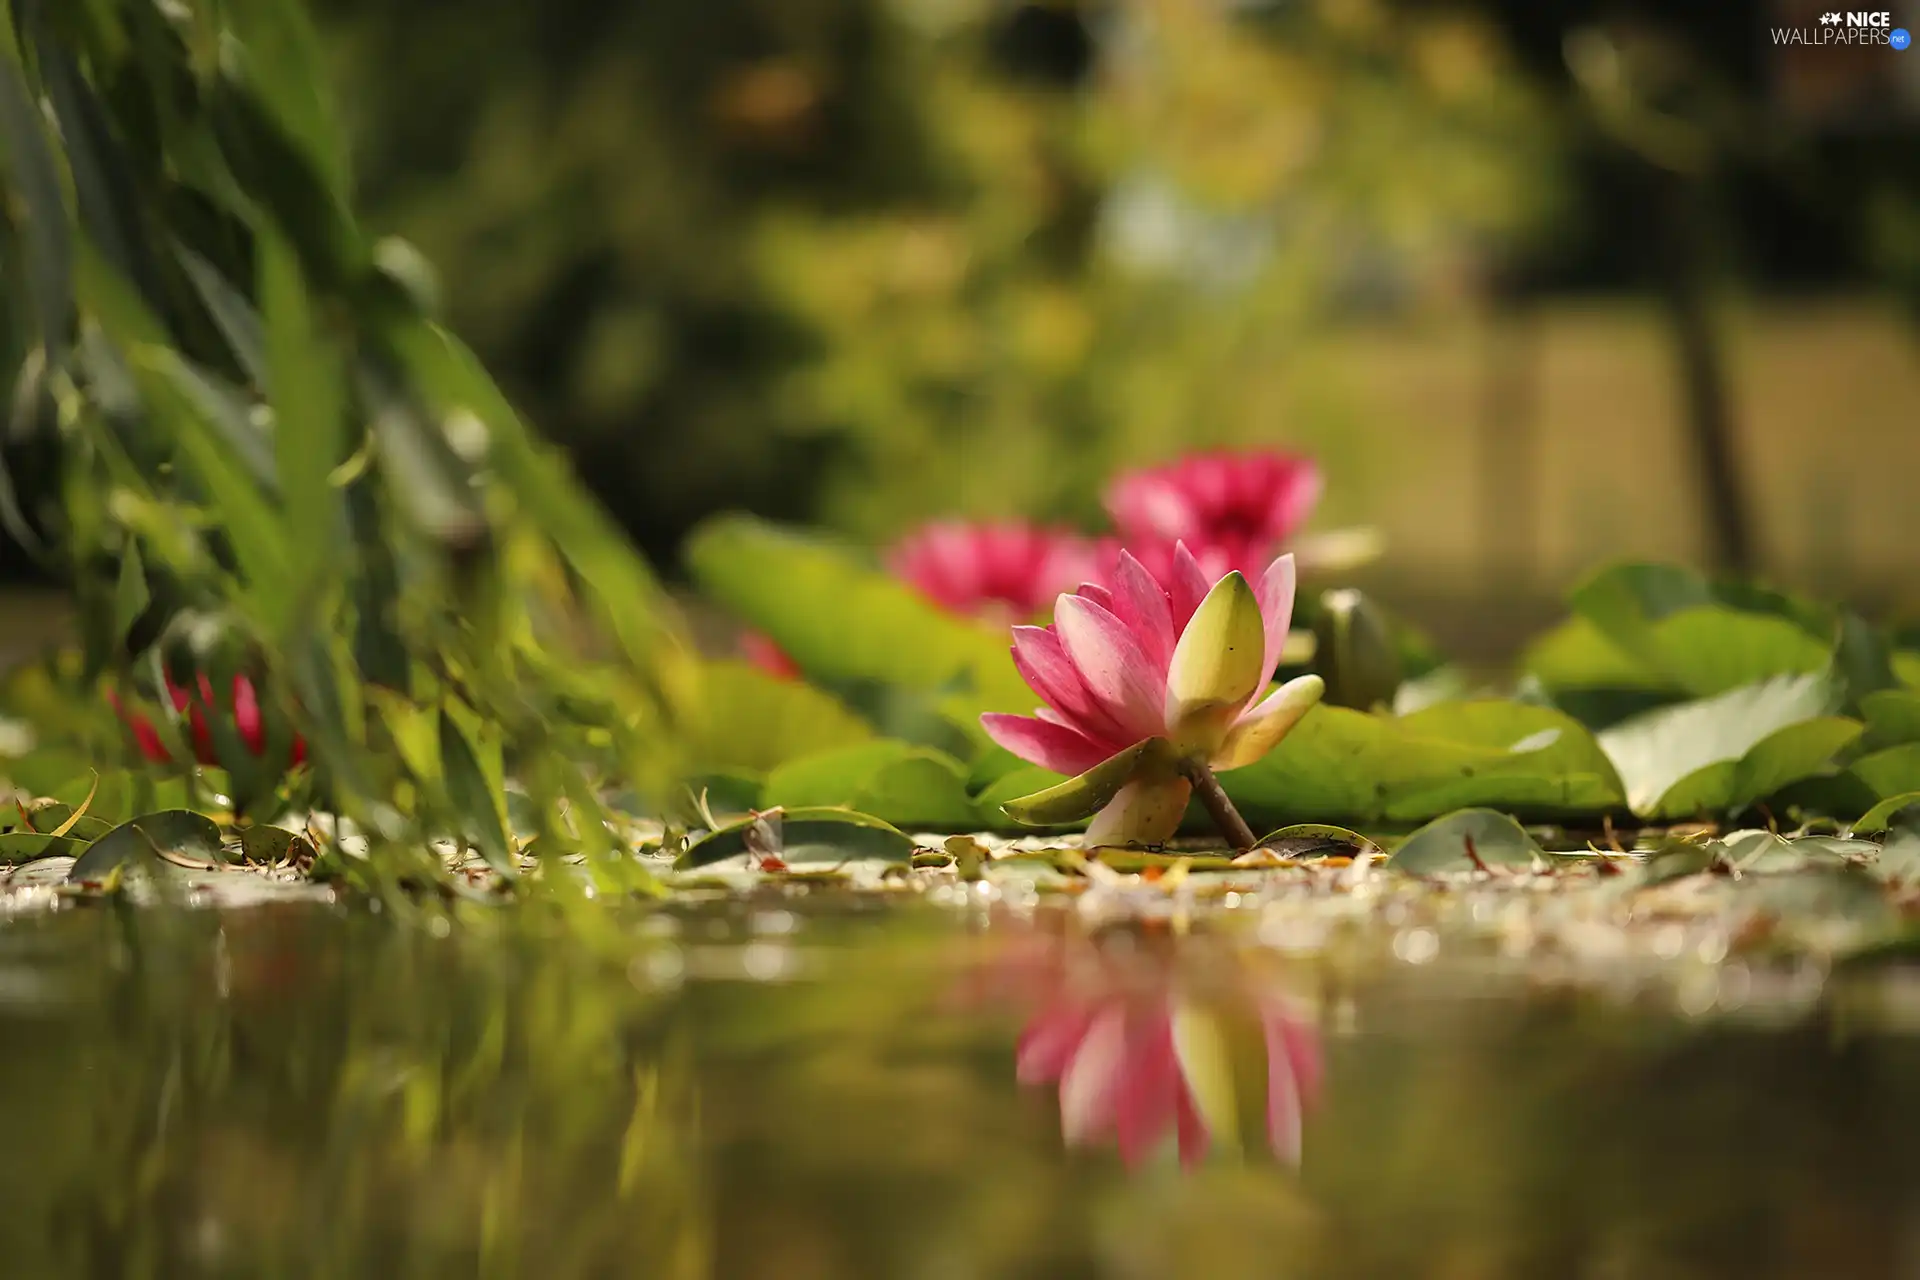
(818, 1085)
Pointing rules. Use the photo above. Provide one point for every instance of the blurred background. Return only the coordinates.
(1542, 282)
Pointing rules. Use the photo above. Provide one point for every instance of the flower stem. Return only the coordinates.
(1234, 827)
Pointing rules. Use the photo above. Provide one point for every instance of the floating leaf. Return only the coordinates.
(1315, 840)
(179, 836)
(270, 846)
(25, 846)
(1461, 840)
(809, 835)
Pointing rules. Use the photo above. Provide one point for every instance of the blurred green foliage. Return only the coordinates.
(275, 461)
(861, 260)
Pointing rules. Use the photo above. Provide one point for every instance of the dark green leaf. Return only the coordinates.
(24, 846)
(178, 836)
(810, 835)
(1315, 840)
(473, 798)
(1889, 811)
(48, 245)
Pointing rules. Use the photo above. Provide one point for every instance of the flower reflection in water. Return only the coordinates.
(1148, 1039)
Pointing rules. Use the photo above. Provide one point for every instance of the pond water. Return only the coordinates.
(821, 1085)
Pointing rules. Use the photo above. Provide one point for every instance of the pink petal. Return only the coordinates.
(1098, 594)
(246, 715)
(1293, 1078)
(1043, 664)
(1090, 1084)
(1150, 1087)
(1275, 594)
(1141, 606)
(1109, 660)
(1189, 586)
(1051, 746)
(1301, 1040)
(1297, 492)
(1284, 1103)
(1046, 1045)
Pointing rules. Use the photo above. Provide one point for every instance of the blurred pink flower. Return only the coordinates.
(1185, 661)
(244, 712)
(760, 650)
(993, 569)
(1232, 509)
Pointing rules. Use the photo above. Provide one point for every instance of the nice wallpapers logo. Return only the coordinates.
(1866, 27)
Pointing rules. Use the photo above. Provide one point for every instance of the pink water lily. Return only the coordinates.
(1232, 509)
(1001, 570)
(1184, 661)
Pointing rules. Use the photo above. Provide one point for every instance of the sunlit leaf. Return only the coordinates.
(906, 785)
(844, 621)
(1467, 839)
(754, 721)
(1684, 759)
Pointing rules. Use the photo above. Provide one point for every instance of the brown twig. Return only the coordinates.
(1234, 827)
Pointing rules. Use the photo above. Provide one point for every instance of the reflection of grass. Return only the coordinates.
(1825, 396)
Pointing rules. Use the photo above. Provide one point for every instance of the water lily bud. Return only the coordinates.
(1355, 651)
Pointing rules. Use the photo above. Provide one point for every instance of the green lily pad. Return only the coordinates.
(179, 836)
(24, 846)
(1363, 767)
(897, 781)
(1677, 859)
(1892, 716)
(810, 835)
(1454, 842)
(1729, 750)
(1887, 813)
(1890, 772)
(844, 620)
(271, 845)
(1578, 655)
(1647, 625)
(754, 721)
(1085, 795)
